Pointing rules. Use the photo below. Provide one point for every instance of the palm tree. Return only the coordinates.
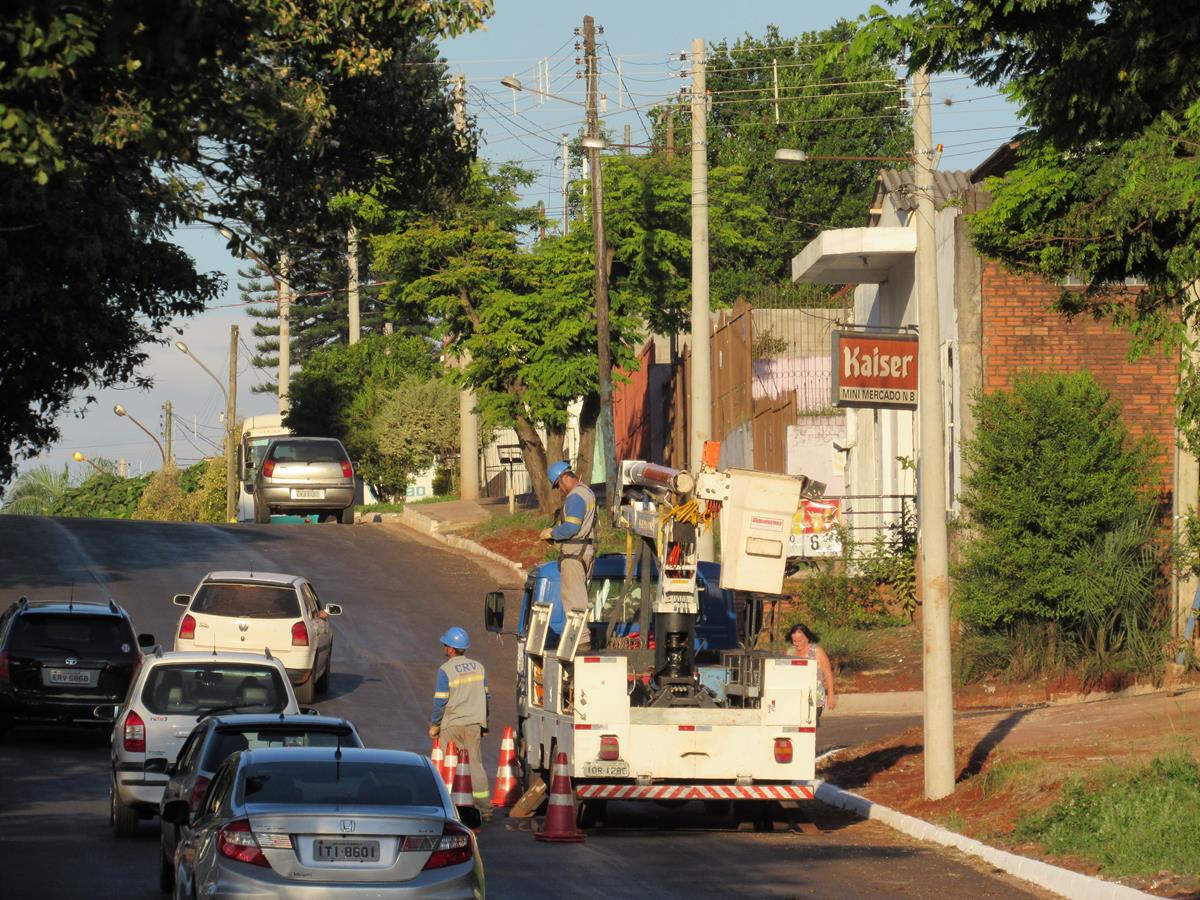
(36, 492)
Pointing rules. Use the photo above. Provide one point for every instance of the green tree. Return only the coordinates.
(417, 424)
(1052, 474)
(1103, 189)
(120, 124)
(341, 392)
(37, 492)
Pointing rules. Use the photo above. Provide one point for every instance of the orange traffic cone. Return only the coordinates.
(506, 793)
(560, 815)
(450, 765)
(462, 796)
(437, 757)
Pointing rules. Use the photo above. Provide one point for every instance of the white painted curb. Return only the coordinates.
(426, 525)
(1053, 878)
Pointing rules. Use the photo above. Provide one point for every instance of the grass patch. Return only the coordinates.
(1013, 773)
(433, 498)
(954, 821)
(848, 649)
(1138, 822)
(379, 507)
(521, 520)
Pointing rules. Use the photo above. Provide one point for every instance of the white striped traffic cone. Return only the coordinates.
(560, 815)
(437, 757)
(506, 792)
(449, 765)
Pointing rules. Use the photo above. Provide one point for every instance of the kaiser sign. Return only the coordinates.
(874, 370)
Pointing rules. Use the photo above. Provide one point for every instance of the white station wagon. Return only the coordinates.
(253, 611)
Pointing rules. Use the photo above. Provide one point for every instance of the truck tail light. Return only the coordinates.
(299, 635)
(783, 750)
(237, 841)
(199, 789)
(134, 733)
(610, 747)
(268, 468)
(187, 628)
(347, 470)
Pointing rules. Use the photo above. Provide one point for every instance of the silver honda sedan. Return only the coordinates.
(325, 823)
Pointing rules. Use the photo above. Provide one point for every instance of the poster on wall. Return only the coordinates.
(815, 529)
(874, 370)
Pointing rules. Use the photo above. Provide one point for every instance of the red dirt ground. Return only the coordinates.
(1058, 741)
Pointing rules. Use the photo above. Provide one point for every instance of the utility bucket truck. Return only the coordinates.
(671, 703)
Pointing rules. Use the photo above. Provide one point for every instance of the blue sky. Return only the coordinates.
(969, 121)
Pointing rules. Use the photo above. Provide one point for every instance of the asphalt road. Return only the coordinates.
(400, 592)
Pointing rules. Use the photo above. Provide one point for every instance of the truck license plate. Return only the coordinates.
(69, 676)
(308, 493)
(617, 769)
(346, 851)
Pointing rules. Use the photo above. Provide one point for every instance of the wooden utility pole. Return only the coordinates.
(566, 185)
(168, 433)
(931, 489)
(670, 133)
(231, 431)
(700, 411)
(600, 250)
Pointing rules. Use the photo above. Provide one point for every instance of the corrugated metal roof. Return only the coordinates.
(902, 186)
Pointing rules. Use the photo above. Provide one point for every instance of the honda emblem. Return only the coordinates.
(347, 826)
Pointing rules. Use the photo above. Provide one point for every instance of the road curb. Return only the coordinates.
(430, 526)
(1061, 881)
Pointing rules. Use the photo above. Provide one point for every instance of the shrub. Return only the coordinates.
(163, 499)
(206, 501)
(103, 497)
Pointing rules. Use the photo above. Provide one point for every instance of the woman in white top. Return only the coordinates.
(803, 643)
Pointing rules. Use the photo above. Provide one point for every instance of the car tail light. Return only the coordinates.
(135, 733)
(347, 471)
(199, 788)
(268, 468)
(452, 848)
(5, 674)
(299, 635)
(610, 747)
(187, 628)
(237, 841)
(783, 750)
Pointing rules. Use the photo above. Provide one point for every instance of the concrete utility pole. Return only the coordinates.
(700, 411)
(122, 468)
(231, 431)
(566, 190)
(931, 489)
(600, 250)
(670, 133)
(168, 433)
(284, 296)
(468, 420)
(352, 285)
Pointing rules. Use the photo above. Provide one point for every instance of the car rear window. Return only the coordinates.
(79, 635)
(251, 601)
(202, 688)
(307, 451)
(229, 740)
(333, 783)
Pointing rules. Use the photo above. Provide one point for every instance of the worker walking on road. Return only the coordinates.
(461, 704)
(576, 538)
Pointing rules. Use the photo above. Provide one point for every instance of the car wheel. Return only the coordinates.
(166, 871)
(346, 516)
(323, 681)
(262, 513)
(124, 819)
(306, 693)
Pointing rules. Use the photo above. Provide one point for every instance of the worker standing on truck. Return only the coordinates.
(575, 536)
(460, 709)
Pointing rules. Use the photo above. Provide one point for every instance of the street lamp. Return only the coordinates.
(79, 457)
(230, 396)
(788, 157)
(514, 84)
(120, 411)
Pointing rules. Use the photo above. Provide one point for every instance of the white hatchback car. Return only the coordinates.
(241, 611)
(169, 695)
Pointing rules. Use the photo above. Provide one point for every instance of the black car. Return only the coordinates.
(65, 661)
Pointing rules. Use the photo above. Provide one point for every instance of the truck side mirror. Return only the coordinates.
(493, 612)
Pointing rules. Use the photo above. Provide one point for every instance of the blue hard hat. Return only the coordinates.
(457, 638)
(557, 470)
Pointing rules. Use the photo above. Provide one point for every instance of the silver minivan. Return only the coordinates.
(303, 476)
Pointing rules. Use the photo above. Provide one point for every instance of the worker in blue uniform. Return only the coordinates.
(575, 537)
